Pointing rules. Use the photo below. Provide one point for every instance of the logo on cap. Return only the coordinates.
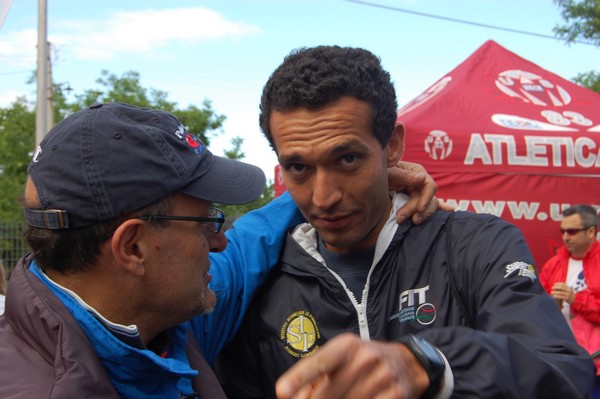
(192, 141)
(38, 151)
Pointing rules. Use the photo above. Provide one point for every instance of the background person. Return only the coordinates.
(572, 277)
(330, 114)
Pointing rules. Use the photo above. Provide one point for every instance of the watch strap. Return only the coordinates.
(432, 361)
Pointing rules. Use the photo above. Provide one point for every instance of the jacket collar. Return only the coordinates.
(135, 373)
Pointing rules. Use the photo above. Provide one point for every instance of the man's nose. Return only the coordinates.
(325, 191)
(217, 241)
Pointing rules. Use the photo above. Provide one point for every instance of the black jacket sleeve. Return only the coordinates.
(238, 367)
(521, 346)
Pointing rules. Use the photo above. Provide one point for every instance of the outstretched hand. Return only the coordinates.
(348, 367)
(413, 180)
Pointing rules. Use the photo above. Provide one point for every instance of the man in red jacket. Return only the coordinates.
(572, 277)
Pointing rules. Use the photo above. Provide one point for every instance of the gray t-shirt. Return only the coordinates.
(353, 267)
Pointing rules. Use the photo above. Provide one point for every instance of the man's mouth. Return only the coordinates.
(333, 222)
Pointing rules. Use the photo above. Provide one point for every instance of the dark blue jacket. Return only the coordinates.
(519, 346)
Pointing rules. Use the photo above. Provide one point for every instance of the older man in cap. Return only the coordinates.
(119, 207)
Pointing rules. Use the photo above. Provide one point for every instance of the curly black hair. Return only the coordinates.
(316, 76)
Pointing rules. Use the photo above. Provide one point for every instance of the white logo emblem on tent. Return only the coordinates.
(438, 144)
(532, 88)
(520, 123)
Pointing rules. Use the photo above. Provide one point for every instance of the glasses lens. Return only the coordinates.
(215, 226)
(571, 232)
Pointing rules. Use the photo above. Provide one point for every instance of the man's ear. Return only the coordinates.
(128, 246)
(395, 146)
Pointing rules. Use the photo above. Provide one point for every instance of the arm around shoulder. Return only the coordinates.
(254, 245)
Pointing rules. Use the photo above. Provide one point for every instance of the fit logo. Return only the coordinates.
(408, 297)
(414, 308)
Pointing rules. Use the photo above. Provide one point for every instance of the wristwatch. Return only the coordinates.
(431, 359)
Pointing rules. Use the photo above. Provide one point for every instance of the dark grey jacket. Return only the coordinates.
(45, 354)
(519, 346)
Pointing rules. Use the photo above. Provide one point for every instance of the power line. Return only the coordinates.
(461, 21)
(16, 72)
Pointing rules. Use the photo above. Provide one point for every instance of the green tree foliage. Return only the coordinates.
(17, 140)
(127, 88)
(582, 23)
(236, 149)
(199, 121)
(232, 212)
(589, 79)
(582, 18)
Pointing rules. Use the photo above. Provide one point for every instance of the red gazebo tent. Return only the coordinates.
(502, 135)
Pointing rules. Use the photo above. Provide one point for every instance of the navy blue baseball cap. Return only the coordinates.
(111, 159)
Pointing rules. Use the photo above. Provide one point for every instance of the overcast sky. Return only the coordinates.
(224, 50)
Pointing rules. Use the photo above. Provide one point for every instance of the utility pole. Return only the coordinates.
(43, 108)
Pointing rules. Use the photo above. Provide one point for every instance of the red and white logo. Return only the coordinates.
(532, 89)
(438, 144)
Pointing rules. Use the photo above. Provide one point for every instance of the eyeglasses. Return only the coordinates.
(214, 221)
(572, 232)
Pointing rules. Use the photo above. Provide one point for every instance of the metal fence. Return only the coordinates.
(12, 244)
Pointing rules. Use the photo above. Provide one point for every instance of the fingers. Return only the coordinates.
(401, 177)
(310, 391)
(560, 296)
(413, 180)
(361, 377)
(408, 210)
(412, 166)
(430, 208)
(563, 292)
(369, 375)
(347, 367)
(444, 206)
(426, 195)
(559, 286)
(306, 375)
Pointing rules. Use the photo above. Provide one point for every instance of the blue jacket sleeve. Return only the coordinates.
(253, 249)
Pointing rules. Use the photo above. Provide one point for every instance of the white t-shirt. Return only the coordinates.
(575, 280)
